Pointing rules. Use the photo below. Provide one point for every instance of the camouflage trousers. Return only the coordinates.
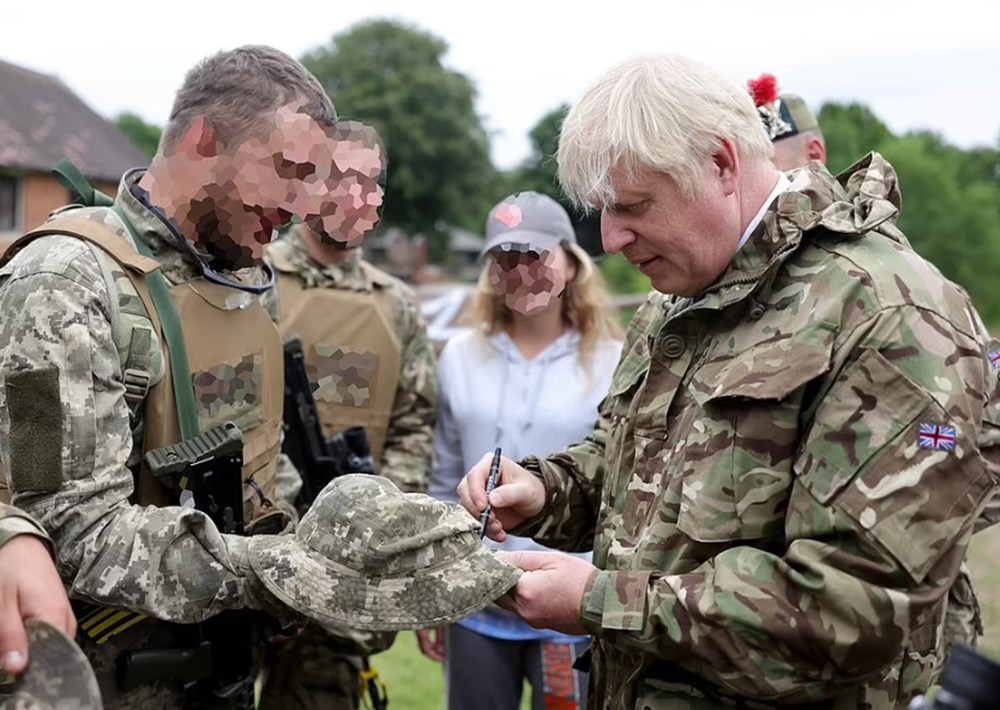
(313, 671)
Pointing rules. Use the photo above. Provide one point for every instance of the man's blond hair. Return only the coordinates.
(665, 114)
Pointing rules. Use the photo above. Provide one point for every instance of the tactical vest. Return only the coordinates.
(235, 358)
(352, 353)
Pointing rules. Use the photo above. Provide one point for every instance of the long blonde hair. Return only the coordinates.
(586, 306)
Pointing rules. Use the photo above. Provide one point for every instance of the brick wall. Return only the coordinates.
(43, 193)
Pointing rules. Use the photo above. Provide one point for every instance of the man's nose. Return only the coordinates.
(615, 235)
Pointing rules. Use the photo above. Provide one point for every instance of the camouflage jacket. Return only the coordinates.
(783, 480)
(66, 455)
(13, 523)
(409, 443)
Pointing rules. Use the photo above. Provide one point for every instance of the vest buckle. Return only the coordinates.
(136, 386)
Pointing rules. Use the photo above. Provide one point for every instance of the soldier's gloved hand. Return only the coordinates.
(518, 496)
(30, 588)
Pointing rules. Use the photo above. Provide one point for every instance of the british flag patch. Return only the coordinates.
(995, 359)
(935, 436)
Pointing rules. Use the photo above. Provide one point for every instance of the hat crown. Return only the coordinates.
(363, 523)
(530, 219)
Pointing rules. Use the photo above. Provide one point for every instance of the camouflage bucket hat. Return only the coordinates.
(58, 677)
(367, 556)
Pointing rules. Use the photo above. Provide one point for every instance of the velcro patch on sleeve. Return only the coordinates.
(35, 410)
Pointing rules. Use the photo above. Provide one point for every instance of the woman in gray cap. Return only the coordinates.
(528, 378)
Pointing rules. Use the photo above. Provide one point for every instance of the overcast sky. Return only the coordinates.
(926, 65)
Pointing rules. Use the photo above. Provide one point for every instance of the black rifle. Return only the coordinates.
(969, 681)
(214, 659)
(318, 459)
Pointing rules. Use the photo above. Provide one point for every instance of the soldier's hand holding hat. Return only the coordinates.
(30, 588)
(518, 496)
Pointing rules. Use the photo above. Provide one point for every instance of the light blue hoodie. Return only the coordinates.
(490, 395)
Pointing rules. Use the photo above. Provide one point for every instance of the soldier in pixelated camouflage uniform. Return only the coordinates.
(372, 365)
(784, 477)
(86, 384)
(798, 139)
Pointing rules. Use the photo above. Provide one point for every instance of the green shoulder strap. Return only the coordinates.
(170, 323)
(80, 189)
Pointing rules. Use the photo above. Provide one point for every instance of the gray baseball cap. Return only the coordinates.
(58, 677)
(367, 556)
(527, 221)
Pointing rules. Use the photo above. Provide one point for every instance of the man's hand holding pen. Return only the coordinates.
(550, 592)
(518, 495)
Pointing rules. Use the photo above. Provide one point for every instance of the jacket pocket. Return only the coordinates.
(743, 431)
(882, 451)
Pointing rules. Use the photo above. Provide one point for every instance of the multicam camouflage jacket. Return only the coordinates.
(67, 307)
(409, 442)
(784, 477)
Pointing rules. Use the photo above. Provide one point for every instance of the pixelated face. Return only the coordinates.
(248, 191)
(681, 243)
(351, 209)
(790, 153)
(529, 281)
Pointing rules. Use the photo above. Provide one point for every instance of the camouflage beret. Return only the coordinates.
(784, 115)
(58, 677)
(367, 556)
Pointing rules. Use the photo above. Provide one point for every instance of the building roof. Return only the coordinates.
(42, 121)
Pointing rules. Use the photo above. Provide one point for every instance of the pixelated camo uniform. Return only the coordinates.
(371, 364)
(69, 309)
(345, 375)
(784, 477)
(14, 522)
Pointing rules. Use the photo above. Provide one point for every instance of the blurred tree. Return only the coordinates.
(951, 196)
(622, 277)
(539, 173)
(950, 219)
(145, 136)
(851, 131)
(390, 75)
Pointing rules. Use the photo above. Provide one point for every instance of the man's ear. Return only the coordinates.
(727, 166)
(816, 149)
(199, 140)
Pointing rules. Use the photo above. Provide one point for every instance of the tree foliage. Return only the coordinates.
(539, 173)
(391, 75)
(951, 196)
(144, 136)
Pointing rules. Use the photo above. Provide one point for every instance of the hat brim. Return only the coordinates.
(58, 674)
(331, 595)
(522, 239)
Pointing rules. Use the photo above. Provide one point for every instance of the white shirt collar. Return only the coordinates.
(781, 186)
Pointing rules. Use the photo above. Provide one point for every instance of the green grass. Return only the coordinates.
(983, 555)
(415, 682)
